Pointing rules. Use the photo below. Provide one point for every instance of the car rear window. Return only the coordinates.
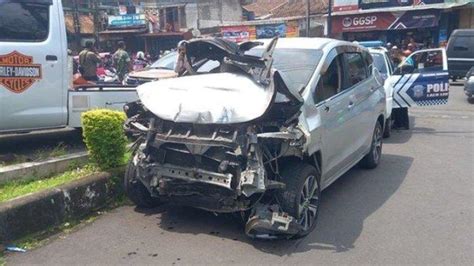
(462, 43)
(25, 21)
(296, 65)
(166, 62)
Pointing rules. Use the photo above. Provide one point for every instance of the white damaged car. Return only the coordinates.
(261, 135)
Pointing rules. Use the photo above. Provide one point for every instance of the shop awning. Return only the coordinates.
(386, 21)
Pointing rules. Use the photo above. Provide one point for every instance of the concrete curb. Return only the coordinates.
(37, 170)
(43, 210)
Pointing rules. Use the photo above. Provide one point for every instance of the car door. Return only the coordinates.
(359, 118)
(332, 103)
(422, 79)
(33, 62)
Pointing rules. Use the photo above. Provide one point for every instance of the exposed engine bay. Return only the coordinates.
(218, 141)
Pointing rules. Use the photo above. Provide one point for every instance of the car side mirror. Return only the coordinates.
(404, 69)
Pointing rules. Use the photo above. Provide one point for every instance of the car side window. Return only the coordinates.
(357, 69)
(369, 62)
(431, 61)
(330, 83)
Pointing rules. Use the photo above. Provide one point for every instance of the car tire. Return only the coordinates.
(372, 159)
(387, 131)
(135, 189)
(302, 196)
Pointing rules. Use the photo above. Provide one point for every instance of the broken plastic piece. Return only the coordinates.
(15, 249)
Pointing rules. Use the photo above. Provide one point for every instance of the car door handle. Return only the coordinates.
(326, 108)
(51, 58)
(351, 104)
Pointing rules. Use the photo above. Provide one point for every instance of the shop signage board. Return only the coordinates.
(363, 22)
(368, 4)
(417, 19)
(345, 5)
(348, 5)
(125, 21)
(386, 21)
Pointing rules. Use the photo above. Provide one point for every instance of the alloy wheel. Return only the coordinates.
(309, 203)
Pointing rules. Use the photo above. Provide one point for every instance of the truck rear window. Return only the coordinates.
(23, 21)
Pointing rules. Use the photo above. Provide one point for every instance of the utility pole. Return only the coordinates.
(77, 25)
(95, 6)
(198, 22)
(308, 21)
(329, 22)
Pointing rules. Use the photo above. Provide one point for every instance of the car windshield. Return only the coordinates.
(166, 62)
(296, 65)
(379, 62)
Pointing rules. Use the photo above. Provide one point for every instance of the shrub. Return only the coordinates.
(104, 136)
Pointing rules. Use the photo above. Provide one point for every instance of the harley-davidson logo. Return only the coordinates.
(17, 71)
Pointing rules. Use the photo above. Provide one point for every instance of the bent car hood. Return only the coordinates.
(222, 98)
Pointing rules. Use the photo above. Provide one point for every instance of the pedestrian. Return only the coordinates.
(140, 61)
(182, 62)
(409, 50)
(88, 60)
(122, 61)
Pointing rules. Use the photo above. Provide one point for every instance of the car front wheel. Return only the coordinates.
(302, 196)
(136, 191)
(372, 159)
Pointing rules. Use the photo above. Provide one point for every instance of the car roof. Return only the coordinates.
(463, 32)
(306, 43)
(380, 50)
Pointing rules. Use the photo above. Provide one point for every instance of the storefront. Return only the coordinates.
(427, 22)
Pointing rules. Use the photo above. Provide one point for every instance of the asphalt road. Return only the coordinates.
(417, 207)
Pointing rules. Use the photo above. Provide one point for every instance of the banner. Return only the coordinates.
(271, 30)
(292, 29)
(386, 21)
(239, 33)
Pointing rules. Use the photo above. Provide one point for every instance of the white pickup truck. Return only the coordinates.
(36, 89)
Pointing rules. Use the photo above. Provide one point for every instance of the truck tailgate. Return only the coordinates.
(82, 99)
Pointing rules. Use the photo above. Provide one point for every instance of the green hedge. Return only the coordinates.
(104, 136)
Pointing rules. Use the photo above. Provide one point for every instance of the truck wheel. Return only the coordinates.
(302, 196)
(372, 159)
(387, 132)
(136, 191)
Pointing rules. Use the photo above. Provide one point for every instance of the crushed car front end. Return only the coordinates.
(216, 142)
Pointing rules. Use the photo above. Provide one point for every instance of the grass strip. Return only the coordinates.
(14, 189)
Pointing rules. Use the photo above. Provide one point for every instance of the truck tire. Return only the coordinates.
(372, 159)
(136, 191)
(387, 131)
(302, 196)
